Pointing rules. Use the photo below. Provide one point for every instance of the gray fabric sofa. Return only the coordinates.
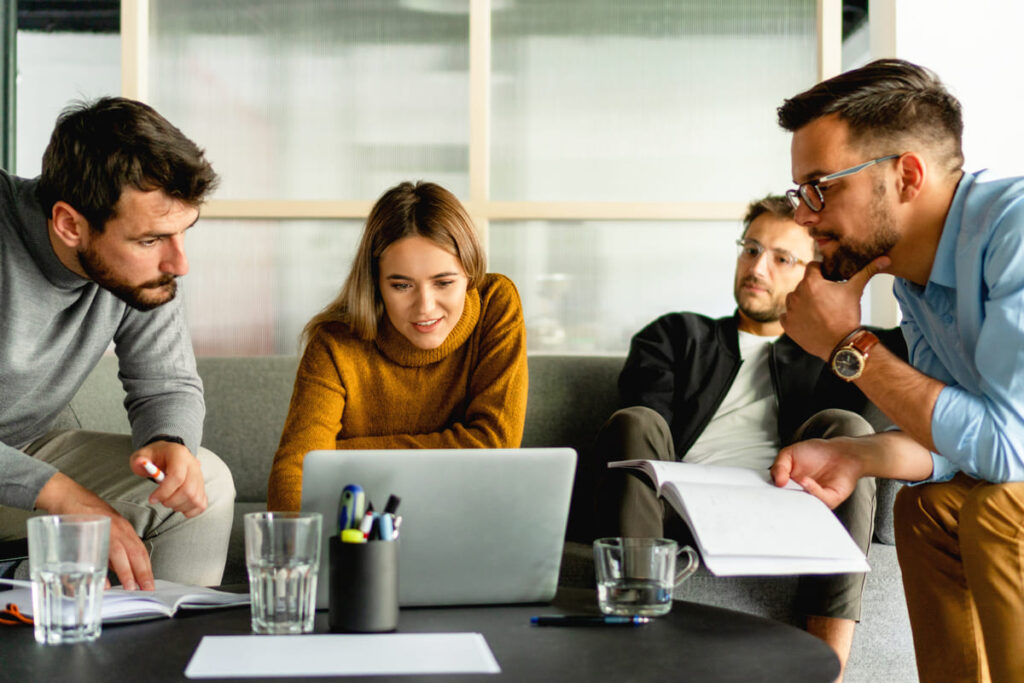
(569, 399)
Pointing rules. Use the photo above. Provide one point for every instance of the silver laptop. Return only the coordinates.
(479, 526)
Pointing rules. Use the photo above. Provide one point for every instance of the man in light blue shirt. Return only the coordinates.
(876, 153)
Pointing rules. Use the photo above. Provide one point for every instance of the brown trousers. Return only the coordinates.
(960, 545)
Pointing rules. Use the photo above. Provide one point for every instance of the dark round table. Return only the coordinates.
(693, 643)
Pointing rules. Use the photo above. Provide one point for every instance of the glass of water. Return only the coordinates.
(67, 558)
(635, 576)
(282, 554)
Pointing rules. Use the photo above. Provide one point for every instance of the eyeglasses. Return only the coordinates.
(751, 250)
(810, 192)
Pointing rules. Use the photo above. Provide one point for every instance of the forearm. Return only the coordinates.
(905, 395)
(177, 413)
(893, 455)
(62, 494)
(456, 436)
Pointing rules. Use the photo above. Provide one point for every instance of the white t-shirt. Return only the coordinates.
(744, 431)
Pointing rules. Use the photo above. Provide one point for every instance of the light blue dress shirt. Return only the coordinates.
(966, 328)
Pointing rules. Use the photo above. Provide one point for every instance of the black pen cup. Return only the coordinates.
(364, 586)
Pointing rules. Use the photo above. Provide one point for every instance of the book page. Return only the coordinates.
(763, 522)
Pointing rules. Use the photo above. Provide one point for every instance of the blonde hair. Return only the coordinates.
(422, 209)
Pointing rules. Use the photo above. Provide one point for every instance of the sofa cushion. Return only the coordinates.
(246, 404)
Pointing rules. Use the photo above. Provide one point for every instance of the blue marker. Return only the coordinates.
(387, 527)
(350, 507)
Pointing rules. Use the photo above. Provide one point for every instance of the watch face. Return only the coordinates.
(848, 364)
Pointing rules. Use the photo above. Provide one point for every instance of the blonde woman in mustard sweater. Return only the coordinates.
(422, 349)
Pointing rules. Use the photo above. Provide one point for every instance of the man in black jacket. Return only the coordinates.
(733, 391)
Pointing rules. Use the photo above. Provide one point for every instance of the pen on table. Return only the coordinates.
(155, 473)
(587, 620)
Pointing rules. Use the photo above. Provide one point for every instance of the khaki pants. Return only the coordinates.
(960, 545)
(190, 551)
(628, 506)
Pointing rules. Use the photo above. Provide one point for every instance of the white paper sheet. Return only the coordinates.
(341, 655)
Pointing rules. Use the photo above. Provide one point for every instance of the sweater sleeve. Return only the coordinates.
(496, 410)
(157, 368)
(23, 478)
(313, 421)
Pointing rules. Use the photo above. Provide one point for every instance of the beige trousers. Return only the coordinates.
(190, 551)
(960, 545)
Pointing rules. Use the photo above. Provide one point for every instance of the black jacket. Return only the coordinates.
(682, 365)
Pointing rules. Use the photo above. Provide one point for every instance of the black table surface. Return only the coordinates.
(693, 643)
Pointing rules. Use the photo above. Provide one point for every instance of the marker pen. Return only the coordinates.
(155, 473)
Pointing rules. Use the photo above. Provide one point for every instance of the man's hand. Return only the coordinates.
(128, 556)
(819, 313)
(826, 468)
(182, 489)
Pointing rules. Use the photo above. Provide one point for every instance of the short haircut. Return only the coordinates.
(777, 205)
(406, 210)
(889, 105)
(99, 148)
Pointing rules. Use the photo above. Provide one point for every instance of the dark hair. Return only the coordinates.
(425, 210)
(885, 104)
(775, 204)
(97, 149)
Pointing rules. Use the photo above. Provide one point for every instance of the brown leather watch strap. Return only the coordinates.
(863, 340)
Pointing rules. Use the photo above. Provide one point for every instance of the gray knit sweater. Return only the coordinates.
(54, 327)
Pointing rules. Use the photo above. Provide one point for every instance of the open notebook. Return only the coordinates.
(745, 525)
(121, 606)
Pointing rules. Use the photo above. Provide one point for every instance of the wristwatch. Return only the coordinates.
(851, 355)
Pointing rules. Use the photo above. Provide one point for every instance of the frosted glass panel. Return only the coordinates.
(318, 99)
(645, 100)
(590, 286)
(253, 285)
(55, 69)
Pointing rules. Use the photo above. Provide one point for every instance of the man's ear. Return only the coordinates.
(912, 172)
(69, 225)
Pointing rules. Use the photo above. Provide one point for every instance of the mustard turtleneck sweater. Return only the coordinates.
(470, 392)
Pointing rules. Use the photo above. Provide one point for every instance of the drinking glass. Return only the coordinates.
(635, 576)
(67, 558)
(282, 554)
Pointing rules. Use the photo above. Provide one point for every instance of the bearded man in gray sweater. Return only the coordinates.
(90, 253)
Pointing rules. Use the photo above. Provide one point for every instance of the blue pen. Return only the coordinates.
(587, 620)
(350, 507)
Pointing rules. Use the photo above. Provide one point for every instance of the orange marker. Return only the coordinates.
(155, 473)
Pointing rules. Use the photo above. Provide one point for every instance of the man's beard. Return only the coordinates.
(133, 295)
(766, 315)
(850, 256)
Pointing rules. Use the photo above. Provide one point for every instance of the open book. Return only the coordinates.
(121, 606)
(745, 525)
